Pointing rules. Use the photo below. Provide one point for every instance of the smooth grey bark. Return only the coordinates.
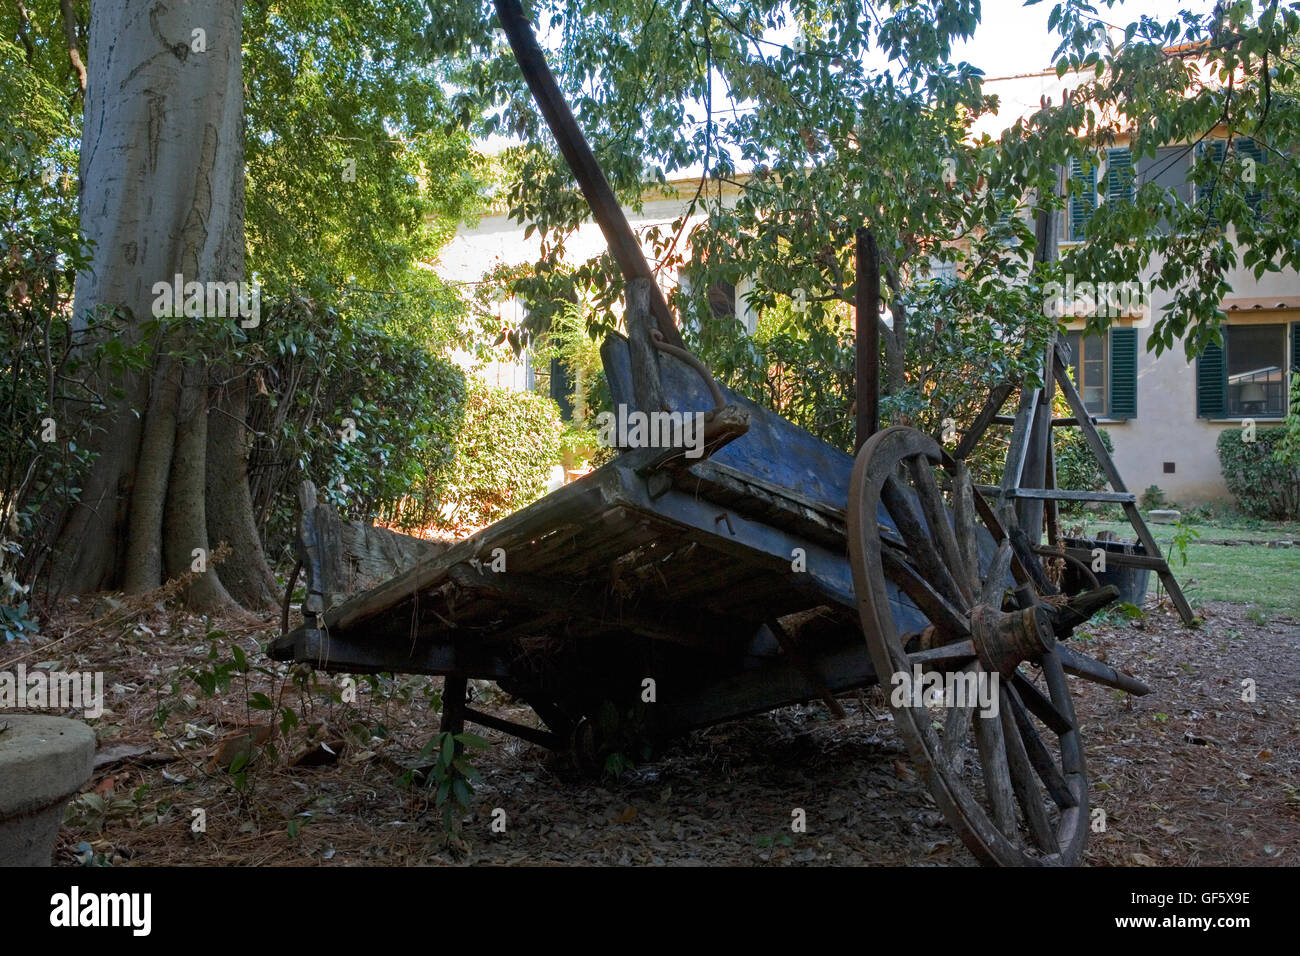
(162, 174)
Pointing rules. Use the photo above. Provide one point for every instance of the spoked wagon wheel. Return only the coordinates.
(1012, 783)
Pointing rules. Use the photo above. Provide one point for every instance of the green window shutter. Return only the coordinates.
(1211, 383)
(1295, 349)
(1083, 195)
(1003, 217)
(1123, 373)
(1217, 148)
(1249, 149)
(1120, 181)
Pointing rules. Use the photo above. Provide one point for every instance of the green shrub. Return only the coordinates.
(1152, 498)
(1288, 449)
(1264, 486)
(357, 402)
(1076, 468)
(507, 444)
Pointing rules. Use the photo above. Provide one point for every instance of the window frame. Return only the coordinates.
(1077, 360)
(1228, 414)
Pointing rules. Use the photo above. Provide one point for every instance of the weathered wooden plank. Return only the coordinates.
(773, 450)
(1059, 494)
(647, 389)
(987, 415)
(1021, 435)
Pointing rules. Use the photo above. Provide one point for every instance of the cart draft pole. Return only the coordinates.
(866, 301)
(605, 209)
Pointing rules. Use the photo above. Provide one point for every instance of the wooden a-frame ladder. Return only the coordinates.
(1030, 454)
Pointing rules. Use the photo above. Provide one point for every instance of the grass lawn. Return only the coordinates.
(1253, 574)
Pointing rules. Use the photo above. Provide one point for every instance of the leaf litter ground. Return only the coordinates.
(1190, 775)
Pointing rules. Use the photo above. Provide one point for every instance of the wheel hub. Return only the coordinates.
(1004, 639)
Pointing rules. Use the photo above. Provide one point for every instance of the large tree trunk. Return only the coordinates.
(162, 174)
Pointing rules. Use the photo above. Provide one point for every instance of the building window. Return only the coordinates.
(943, 271)
(1169, 171)
(722, 299)
(1256, 364)
(1246, 377)
(724, 302)
(1088, 367)
(1083, 198)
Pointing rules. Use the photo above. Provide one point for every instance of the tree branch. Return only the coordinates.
(24, 21)
(70, 32)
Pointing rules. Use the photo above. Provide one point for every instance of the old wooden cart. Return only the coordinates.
(664, 592)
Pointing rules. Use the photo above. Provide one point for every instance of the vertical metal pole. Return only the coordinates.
(866, 299)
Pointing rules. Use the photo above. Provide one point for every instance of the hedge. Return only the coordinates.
(1264, 486)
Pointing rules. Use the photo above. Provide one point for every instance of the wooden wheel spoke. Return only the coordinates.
(919, 545)
(963, 497)
(1039, 705)
(1039, 758)
(948, 653)
(936, 519)
(1071, 748)
(955, 727)
(996, 582)
(997, 776)
(933, 605)
(1023, 778)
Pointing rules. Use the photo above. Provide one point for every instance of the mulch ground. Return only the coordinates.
(1189, 775)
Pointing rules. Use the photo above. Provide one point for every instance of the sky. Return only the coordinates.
(1013, 39)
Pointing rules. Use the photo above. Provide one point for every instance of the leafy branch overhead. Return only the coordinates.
(803, 123)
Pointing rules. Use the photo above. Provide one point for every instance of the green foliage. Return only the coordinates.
(571, 338)
(1184, 534)
(835, 146)
(1153, 497)
(507, 444)
(359, 402)
(1076, 467)
(1287, 450)
(353, 172)
(15, 622)
(806, 375)
(452, 776)
(353, 326)
(1245, 212)
(1264, 486)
